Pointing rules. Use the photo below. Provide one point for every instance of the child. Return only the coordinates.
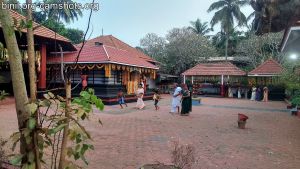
(121, 98)
(156, 98)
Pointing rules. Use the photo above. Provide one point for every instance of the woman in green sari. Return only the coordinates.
(186, 101)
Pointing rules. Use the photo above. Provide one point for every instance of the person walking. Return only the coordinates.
(176, 99)
(121, 98)
(186, 101)
(140, 94)
(156, 98)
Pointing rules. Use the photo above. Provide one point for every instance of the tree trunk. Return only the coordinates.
(31, 54)
(32, 78)
(63, 154)
(226, 47)
(17, 74)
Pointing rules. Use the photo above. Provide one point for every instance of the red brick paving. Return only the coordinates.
(130, 138)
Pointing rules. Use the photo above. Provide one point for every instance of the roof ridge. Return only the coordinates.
(261, 65)
(264, 63)
(115, 48)
(106, 52)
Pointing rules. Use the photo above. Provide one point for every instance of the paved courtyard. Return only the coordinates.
(130, 138)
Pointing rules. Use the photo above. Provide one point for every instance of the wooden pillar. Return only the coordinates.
(192, 79)
(222, 86)
(184, 79)
(43, 64)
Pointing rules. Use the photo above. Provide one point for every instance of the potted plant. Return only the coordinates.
(242, 121)
(296, 102)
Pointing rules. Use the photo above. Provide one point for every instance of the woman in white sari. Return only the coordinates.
(253, 94)
(140, 94)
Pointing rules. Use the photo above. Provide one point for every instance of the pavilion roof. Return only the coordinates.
(39, 30)
(269, 68)
(214, 69)
(111, 50)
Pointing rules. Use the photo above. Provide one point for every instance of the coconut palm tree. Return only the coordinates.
(199, 28)
(66, 14)
(227, 11)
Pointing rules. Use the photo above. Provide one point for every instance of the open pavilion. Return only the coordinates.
(267, 73)
(218, 75)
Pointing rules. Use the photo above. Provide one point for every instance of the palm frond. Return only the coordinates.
(217, 5)
(243, 3)
(239, 16)
(218, 17)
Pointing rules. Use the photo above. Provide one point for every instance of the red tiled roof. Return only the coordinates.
(38, 29)
(269, 67)
(106, 54)
(213, 69)
(110, 40)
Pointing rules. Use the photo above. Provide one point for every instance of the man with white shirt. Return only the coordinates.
(176, 100)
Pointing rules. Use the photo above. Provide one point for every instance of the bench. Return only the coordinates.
(294, 111)
(196, 101)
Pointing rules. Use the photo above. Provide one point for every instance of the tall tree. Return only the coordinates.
(200, 28)
(219, 41)
(32, 77)
(227, 12)
(274, 15)
(18, 80)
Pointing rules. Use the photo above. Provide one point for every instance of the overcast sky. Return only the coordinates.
(130, 20)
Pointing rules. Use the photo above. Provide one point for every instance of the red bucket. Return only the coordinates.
(242, 117)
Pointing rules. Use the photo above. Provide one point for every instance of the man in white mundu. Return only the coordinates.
(176, 100)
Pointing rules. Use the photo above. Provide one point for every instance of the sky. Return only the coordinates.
(131, 20)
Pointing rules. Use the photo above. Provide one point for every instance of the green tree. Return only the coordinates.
(75, 35)
(227, 12)
(259, 48)
(200, 28)
(16, 2)
(274, 15)
(66, 14)
(219, 41)
(184, 50)
(154, 46)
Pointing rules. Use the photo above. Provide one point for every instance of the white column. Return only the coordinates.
(184, 79)
(192, 79)
(222, 79)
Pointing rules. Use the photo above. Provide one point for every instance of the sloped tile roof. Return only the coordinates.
(38, 29)
(213, 69)
(107, 53)
(269, 67)
(112, 41)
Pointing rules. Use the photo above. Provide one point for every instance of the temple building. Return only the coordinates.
(45, 43)
(106, 63)
(109, 65)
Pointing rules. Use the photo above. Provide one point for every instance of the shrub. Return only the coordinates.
(2, 153)
(183, 156)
